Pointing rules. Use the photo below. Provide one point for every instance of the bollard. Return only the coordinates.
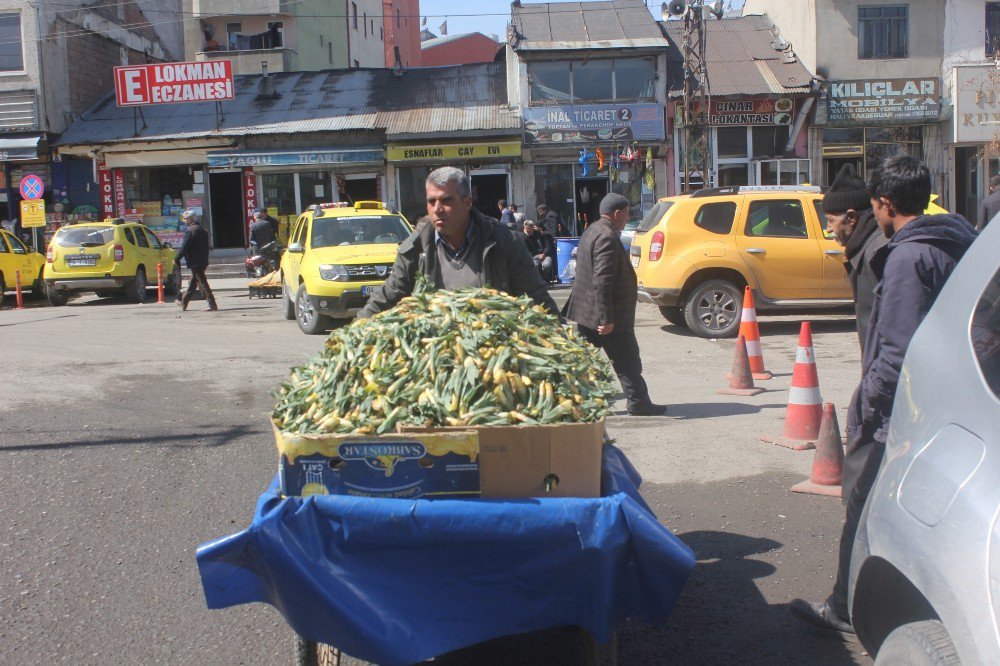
(159, 282)
(20, 296)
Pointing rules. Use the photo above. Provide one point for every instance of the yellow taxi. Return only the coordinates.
(16, 257)
(338, 253)
(108, 258)
(694, 255)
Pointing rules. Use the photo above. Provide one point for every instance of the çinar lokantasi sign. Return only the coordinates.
(174, 82)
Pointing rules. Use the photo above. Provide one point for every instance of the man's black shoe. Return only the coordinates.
(820, 616)
(649, 409)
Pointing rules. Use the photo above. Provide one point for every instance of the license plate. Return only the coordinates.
(635, 261)
(81, 261)
(367, 290)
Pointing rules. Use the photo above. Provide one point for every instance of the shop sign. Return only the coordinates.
(457, 151)
(873, 100)
(747, 112)
(107, 190)
(173, 82)
(596, 122)
(977, 104)
(32, 213)
(274, 158)
(119, 178)
(249, 197)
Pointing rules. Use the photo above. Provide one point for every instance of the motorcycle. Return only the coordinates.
(264, 259)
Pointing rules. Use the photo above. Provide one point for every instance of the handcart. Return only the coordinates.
(268, 286)
(400, 581)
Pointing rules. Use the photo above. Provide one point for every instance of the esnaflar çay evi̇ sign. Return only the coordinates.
(173, 82)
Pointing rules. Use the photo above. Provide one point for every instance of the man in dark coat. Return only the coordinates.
(603, 300)
(542, 248)
(456, 246)
(262, 232)
(912, 269)
(990, 205)
(195, 252)
(849, 218)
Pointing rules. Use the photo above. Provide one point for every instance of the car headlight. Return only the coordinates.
(334, 272)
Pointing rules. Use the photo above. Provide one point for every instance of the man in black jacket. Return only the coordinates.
(542, 247)
(195, 251)
(912, 269)
(990, 205)
(603, 300)
(456, 246)
(849, 218)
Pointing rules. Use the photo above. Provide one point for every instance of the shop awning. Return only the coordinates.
(309, 156)
(19, 148)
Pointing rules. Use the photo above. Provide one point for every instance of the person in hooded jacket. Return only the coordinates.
(851, 221)
(911, 269)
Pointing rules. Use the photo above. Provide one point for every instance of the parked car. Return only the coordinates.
(925, 573)
(694, 254)
(338, 254)
(107, 258)
(16, 257)
(628, 233)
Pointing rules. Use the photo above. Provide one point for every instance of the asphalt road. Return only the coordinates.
(131, 434)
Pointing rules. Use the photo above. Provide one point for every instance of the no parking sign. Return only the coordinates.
(32, 187)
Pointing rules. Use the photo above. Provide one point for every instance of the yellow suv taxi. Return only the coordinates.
(108, 258)
(694, 254)
(338, 253)
(16, 257)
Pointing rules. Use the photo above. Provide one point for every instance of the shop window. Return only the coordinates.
(716, 217)
(769, 141)
(844, 135)
(11, 57)
(882, 32)
(776, 219)
(635, 78)
(732, 141)
(554, 187)
(412, 192)
(314, 188)
(985, 334)
(783, 172)
(732, 175)
(550, 82)
(592, 81)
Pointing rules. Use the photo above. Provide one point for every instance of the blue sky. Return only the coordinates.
(485, 16)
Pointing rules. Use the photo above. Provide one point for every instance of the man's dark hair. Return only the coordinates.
(995, 182)
(502, 203)
(903, 180)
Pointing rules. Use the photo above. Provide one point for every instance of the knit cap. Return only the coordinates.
(848, 191)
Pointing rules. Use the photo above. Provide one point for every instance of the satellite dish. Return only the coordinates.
(674, 8)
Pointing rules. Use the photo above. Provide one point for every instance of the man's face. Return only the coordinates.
(883, 215)
(447, 209)
(841, 226)
(529, 229)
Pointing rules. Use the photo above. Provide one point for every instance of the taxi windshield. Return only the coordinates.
(85, 236)
(358, 230)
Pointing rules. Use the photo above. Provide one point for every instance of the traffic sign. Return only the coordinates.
(32, 213)
(32, 187)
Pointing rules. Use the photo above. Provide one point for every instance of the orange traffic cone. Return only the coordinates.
(750, 330)
(804, 400)
(828, 464)
(740, 379)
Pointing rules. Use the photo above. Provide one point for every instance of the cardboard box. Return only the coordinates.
(559, 460)
(404, 465)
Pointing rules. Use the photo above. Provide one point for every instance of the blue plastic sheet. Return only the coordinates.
(400, 581)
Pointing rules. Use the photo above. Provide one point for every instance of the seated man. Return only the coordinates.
(542, 248)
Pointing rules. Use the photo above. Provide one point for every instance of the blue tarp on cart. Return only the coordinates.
(399, 581)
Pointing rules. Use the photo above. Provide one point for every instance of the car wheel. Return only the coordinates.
(674, 315)
(713, 309)
(173, 285)
(57, 298)
(38, 289)
(137, 292)
(310, 321)
(918, 644)
(288, 305)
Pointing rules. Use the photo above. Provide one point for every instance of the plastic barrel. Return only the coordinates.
(564, 252)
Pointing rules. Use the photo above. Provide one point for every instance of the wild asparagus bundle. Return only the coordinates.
(447, 358)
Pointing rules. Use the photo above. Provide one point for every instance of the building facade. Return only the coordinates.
(401, 25)
(880, 66)
(458, 49)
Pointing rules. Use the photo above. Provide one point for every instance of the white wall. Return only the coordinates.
(964, 38)
(796, 21)
(368, 49)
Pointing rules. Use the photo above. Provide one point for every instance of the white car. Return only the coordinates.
(925, 573)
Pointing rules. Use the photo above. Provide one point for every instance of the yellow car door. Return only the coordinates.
(145, 254)
(294, 264)
(8, 264)
(781, 249)
(22, 262)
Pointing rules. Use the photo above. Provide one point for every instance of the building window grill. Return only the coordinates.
(883, 32)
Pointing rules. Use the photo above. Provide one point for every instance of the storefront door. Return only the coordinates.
(361, 189)
(967, 185)
(589, 192)
(226, 190)
(487, 190)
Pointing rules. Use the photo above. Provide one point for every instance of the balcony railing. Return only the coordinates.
(249, 62)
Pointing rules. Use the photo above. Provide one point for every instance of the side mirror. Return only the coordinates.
(168, 245)
(296, 248)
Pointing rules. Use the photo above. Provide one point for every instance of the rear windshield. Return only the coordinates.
(653, 217)
(358, 230)
(85, 236)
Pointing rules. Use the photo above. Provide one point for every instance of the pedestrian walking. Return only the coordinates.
(912, 269)
(851, 221)
(456, 246)
(603, 300)
(194, 251)
(990, 205)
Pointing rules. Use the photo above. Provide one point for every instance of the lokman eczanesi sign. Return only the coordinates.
(884, 100)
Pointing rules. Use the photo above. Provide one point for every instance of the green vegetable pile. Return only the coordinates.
(473, 357)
